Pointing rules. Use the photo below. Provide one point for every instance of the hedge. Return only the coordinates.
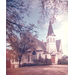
(64, 62)
(41, 62)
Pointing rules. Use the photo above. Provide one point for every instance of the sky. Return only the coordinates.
(60, 27)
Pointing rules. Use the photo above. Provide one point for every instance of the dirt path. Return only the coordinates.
(39, 70)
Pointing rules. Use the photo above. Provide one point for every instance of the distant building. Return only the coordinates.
(8, 63)
(51, 49)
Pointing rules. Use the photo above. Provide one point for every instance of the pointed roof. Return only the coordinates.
(50, 29)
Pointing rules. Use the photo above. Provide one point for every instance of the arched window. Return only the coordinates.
(39, 55)
(45, 56)
(34, 53)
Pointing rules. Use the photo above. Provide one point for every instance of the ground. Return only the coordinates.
(39, 70)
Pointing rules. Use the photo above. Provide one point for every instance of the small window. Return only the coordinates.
(45, 56)
(39, 55)
(28, 58)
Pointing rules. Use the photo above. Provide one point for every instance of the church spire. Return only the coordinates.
(50, 29)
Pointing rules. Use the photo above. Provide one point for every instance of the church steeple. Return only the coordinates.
(50, 29)
(50, 45)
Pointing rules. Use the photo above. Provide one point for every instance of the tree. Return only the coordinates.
(49, 9)
(22, 44)
(15, 9)
(65, 57)
(18, 34)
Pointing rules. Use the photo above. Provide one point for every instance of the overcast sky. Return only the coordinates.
(60, 27)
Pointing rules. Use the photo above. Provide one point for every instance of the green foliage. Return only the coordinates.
(43, 61)
(38, 62)
(49, 61)
(63, 61)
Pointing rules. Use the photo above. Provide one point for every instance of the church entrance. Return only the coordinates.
(53, 58)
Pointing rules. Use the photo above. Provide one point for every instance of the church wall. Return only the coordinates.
(41, 54)
(61, 48)
(56, 59)
(51, 45)
(59, 55)
(48, 56)
(24, 58)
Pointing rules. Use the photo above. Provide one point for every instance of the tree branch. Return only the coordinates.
(19, 26)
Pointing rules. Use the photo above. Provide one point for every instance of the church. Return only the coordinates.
(51, 49)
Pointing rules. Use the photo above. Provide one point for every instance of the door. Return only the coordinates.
(53, 58)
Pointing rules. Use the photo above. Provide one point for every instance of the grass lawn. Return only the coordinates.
(39, 70)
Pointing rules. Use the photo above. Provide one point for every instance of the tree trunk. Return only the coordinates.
(19, 61)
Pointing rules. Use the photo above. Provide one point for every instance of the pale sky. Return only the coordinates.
(60, 27)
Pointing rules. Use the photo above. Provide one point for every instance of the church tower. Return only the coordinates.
(51, 43)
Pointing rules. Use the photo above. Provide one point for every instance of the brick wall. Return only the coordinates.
(8, 65)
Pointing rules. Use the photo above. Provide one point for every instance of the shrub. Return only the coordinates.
(43, 61)
(39, 62)
(48, 61)
(24, 64)
(63, 61)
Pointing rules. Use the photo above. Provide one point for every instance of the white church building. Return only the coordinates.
(51, 49)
